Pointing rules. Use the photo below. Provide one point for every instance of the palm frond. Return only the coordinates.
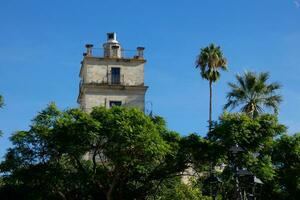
(263, 77)
(253, 93)
(272, 87)
(241, 82)
(273, 102)
(231, 104)
(233, 85)
(210, 60)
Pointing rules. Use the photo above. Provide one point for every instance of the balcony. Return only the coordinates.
(110, 79)
(113, 79)
(114, 52)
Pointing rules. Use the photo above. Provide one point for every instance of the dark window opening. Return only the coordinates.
(115, 103)
(110, 35)
(115, 75)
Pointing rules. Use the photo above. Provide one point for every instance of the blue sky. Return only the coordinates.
(41, 46)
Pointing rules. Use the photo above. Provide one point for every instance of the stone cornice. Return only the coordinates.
(114, 87)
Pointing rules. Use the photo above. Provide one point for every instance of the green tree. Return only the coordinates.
(202, 152)
(175, 189)
(115, 153)
(253, 94)
(210, 61)
(256, 137)
(286, 159)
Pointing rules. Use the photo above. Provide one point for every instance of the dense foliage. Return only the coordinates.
(256, 138)
(286, 159)
(175, 189)
(113, 153)
(121, 153)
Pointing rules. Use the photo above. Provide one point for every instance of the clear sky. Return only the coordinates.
(41, 46)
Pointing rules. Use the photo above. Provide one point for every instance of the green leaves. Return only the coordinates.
(121, 152)
(268, 153)
(209, 61)
(253, 94)
(75, 155)
(175, 189)
(247, 132)
(286, 157)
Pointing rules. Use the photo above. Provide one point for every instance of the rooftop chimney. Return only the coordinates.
(112, 48)
(112, 37)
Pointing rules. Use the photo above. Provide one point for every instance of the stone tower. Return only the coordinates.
(111, 76)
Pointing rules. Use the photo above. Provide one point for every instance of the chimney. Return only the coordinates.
(88, 49)
(140, 52)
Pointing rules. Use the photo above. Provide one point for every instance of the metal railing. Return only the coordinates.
(114, 53)
(109, 79)
(113, 79)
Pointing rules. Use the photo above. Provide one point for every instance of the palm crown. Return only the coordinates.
(252, 93)
(209, 61)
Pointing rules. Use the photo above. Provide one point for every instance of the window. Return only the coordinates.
(115, 103)
(115, 75)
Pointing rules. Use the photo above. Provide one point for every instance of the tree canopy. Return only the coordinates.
(286, 159)
(121, 153)
(115, 153)
(268, 153)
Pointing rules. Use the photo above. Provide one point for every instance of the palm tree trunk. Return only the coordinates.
(210, 105)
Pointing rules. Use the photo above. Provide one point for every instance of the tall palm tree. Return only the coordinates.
(252, 93)
(210, 61)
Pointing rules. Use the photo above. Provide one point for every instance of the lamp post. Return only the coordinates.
(214, 183)
(235, 150)
(251, 183)
(245, 181)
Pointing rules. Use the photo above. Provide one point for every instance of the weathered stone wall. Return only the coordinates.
(96, 71)
(97, 90)
(97, 96)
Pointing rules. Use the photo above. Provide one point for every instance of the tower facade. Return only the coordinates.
(111, 76)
